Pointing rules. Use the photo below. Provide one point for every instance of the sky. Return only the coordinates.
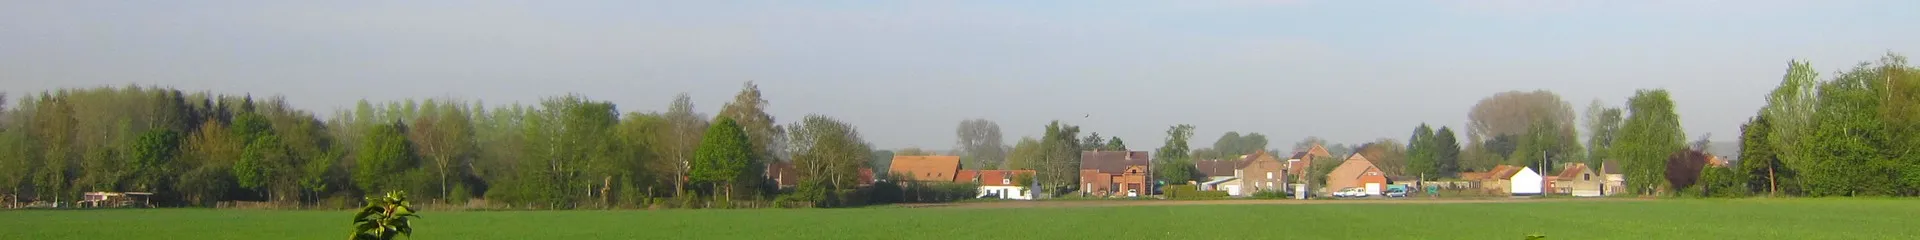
(907, 72)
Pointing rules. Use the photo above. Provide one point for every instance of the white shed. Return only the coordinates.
(1526, 182)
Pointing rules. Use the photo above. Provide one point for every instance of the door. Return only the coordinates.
(1373, 188)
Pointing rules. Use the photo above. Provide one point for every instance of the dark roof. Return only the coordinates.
(1299, 155)
(1219, 168)
(1610, 167)
(1114, 162)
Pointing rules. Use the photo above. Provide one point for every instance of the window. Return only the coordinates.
(1269, 175)
(1586, 177)
(1006, 181)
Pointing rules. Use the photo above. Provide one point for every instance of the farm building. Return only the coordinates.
(1525, 182)
(1578, 180)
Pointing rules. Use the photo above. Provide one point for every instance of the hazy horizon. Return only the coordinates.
(906, 73)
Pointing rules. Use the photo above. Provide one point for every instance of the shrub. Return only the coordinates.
(1190, 192)
(1271, 195)
(1721, 182)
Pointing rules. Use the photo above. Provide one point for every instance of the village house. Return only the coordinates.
(1302, 161)
(1001, 184)
(1578, 180)
(924, 168)
(1616, 181)
(1221, 175)
(1358, 172)
(1495, 180)
(1114, 173)
(1263, 172)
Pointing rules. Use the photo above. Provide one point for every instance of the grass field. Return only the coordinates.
(1608, 219)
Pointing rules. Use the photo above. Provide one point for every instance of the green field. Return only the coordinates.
(1663, 219)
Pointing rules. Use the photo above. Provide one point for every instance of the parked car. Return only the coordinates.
(1352, 192)
(1395, 193)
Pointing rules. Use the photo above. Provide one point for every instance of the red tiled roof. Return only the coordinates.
(1572, 171)
(925, 168)
(965, 175)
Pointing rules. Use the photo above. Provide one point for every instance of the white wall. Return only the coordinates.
(1009, 192)
(1526, 182)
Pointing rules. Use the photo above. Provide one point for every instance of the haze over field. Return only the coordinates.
(906, 72)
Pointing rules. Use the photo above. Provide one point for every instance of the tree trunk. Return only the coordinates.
(1773, 186)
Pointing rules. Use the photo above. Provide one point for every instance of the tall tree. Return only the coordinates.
(749, 110)
(1760, 161)
(723, 157)
(263, 160)
(1603, 124)
(829, 151)
(1514, 112)
(1446, 152)
(1388, 154)
(1846, 153)
(980, 140)
(446, 138)
(152, 159)
(1093, 141)
(688, 130)
(1789, 111)
(1114, 144)
(1060, 166)
(1026, 154)
(1650, 133)
(384, 154)
(1172, 160)
(1421, 153)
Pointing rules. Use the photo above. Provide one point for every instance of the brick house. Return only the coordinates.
(1113, 173)
(1358, 172)
(1263, 172)
(1306, 161)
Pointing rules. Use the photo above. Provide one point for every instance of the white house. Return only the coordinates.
(1525, 182)
(997, 183)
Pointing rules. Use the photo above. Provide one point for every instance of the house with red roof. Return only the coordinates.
(1001, 184)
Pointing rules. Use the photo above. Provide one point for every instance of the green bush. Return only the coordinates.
(1190, 192)
(1271, 195)
(1719, 182)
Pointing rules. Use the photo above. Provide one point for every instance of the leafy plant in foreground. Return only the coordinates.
(383, 218)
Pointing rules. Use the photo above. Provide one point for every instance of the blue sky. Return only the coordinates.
(906, 72)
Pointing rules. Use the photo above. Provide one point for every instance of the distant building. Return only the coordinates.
(1002, 184)
(1114, 173)
(1525, 182)
(1358, 172)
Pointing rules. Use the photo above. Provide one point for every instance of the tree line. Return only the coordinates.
(1852, 134)
(196, 149)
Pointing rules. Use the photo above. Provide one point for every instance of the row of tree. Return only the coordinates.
(1853, 134)
(197, 149)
